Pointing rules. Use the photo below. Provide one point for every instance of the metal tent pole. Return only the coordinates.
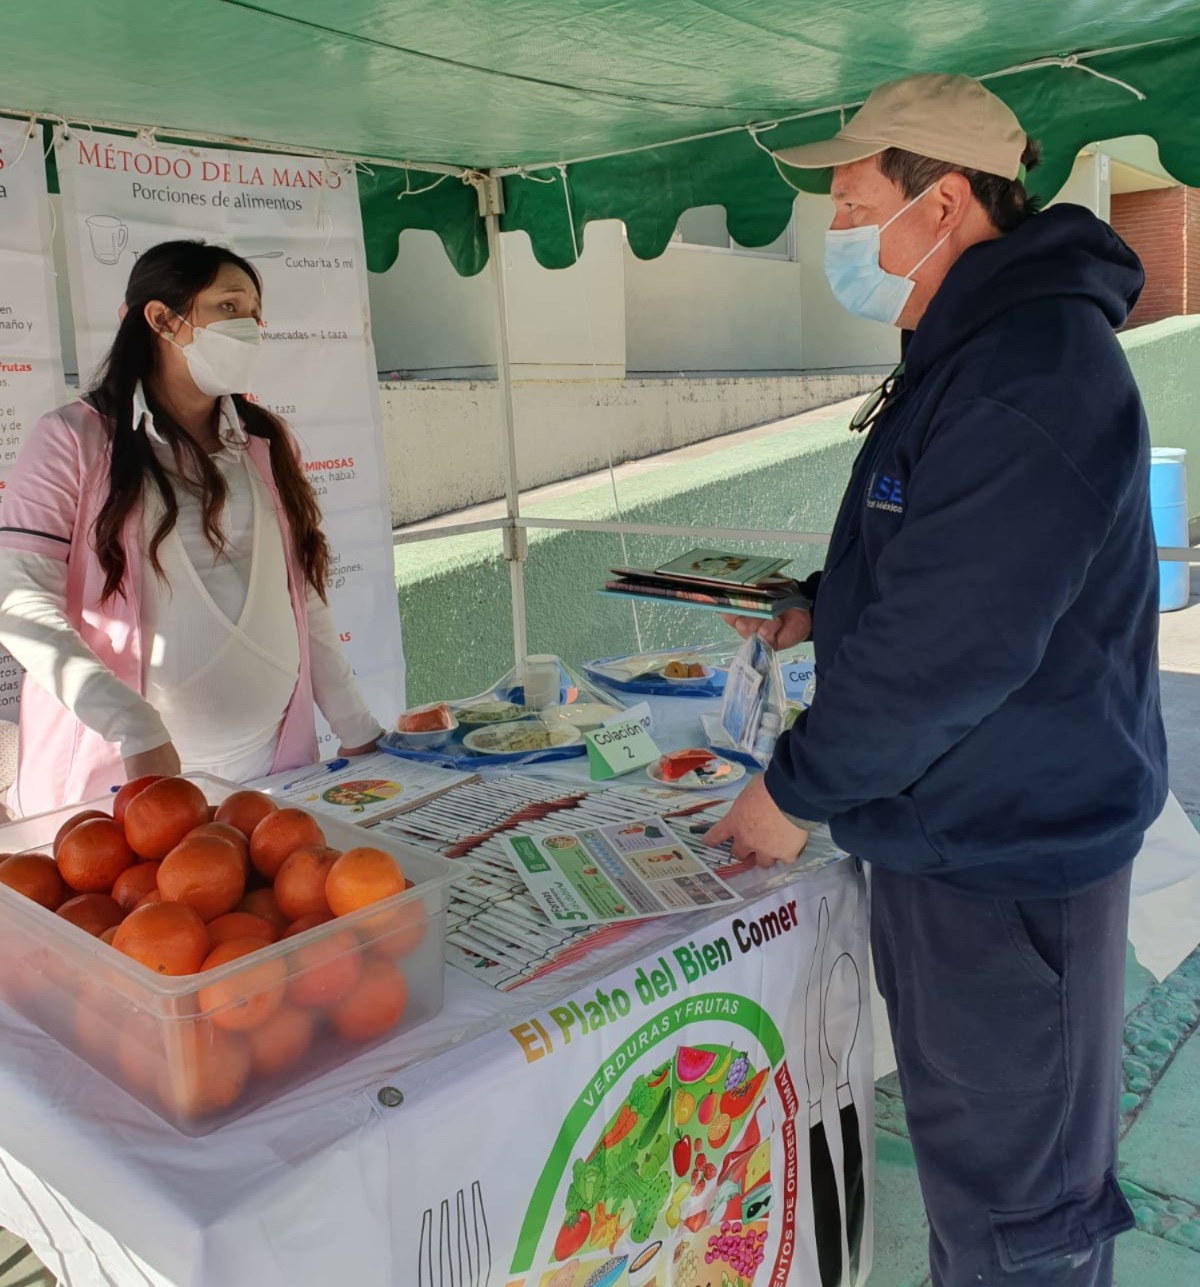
(491, 206)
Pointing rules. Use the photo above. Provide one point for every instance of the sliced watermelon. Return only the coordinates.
(678, 763)
(691, 1064)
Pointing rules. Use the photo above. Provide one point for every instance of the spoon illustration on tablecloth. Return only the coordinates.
(827, 1212)
(843, 1001)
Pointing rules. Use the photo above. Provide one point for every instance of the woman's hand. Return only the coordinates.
(784, 631)
(163, 760)
(350, 751)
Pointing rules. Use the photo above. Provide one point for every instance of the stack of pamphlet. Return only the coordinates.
(716, 580)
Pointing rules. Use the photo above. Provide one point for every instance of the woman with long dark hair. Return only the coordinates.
(162, 566)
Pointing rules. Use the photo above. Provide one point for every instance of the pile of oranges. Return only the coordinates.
(184, 888)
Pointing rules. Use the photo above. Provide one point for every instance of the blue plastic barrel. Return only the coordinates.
(1168, 509)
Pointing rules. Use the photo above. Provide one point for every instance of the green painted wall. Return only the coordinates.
(454, 594)
(1165, 357)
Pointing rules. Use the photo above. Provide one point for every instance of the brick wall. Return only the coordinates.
(1163, 227)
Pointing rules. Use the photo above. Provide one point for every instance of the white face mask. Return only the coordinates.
(223, 356)
(856, 277)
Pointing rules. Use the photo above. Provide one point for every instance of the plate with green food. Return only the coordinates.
(490, 712)
(521, 737)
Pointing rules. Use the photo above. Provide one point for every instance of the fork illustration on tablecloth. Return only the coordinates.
(462, 1254)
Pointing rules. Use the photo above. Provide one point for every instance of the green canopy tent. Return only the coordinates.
(475, 116)
(646, 102)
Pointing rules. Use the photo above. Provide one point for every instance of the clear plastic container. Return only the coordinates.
(180, 1045)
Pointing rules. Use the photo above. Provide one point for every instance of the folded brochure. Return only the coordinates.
(621, 872)
(721, 566)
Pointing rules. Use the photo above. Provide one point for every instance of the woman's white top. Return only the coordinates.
(220, 631)
(222, 655)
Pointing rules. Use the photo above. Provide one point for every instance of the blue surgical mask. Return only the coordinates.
(855, 276)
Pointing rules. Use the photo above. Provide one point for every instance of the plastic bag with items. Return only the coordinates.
(670, 672)
(755, 704)
(539, 711)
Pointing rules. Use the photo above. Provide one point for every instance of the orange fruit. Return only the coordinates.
(134, 883)
(209, 1071)
(280, 1040)
(167, 938)
(93, 913)
(92, 855)
(248, 998)
(300, 881)
(306, 923)
(153, 896)
(128, 791)
(35, 876)
(206, 873)
(324, 971)
(361, 877)
(160, 815)
(94, 1025)
(245, 810)
(240, 925)
(226, 832)
(140, 1056)
(109, 934)
(279, 834)
(71, 823)
(375, 1003)
(261, 902)
(397, 930)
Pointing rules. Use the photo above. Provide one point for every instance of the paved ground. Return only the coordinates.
(1160, 1158)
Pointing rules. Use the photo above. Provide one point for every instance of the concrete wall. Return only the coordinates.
(1089, 184)
(445, 448)
(700, 309)
(567, 324)
(1165, 359)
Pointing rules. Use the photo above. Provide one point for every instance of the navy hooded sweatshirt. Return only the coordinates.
(987, 704)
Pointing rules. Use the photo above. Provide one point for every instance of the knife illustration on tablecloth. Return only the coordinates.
(827, 1212)
(843, 1000)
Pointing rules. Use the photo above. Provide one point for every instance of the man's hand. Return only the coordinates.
(784, 631)
(162, 759)
(758, 829)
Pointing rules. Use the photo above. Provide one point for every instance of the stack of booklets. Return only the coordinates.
(713, 579)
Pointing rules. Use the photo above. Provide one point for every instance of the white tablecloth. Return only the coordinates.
(327, 1185)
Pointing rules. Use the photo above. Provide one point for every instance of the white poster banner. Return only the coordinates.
(297, 220)
(31, 374)
(703, 1118)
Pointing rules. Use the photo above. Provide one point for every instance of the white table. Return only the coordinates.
(500, 1096)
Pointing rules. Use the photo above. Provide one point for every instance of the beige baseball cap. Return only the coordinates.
(946, 118)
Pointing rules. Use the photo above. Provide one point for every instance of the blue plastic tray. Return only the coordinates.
(457, 756)
(712, 687)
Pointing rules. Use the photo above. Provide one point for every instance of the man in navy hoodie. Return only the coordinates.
(986, 730)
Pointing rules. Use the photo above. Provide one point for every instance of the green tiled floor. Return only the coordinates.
(1160, 1150)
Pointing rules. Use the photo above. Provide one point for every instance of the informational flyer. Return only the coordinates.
(616, 873)
(367, 788)
(31, 374)
(297, 220)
